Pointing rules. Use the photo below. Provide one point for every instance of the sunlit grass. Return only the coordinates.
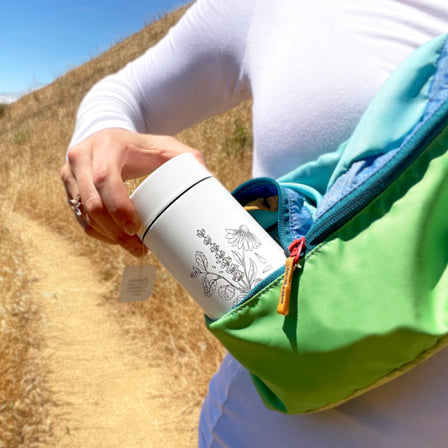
(34, 134)
(22, 410)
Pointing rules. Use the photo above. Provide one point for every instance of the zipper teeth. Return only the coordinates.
(378, 182)
(348, 207)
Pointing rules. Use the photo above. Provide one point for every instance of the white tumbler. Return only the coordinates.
(202, 235)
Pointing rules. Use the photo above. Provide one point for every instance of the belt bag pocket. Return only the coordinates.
(368, 229)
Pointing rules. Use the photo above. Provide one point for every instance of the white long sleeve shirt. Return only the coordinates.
(310, 66)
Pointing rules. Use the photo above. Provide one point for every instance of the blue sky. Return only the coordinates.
(41, 40)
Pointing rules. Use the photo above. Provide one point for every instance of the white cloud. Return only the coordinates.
(9, 97)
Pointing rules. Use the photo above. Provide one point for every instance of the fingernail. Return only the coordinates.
(129, 227)
(140, 251)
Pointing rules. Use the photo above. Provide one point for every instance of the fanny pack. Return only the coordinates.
(363, 296)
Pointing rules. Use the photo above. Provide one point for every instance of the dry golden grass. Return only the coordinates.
(22, 410)
(34, 134)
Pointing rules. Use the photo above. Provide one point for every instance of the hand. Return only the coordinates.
(95, 174)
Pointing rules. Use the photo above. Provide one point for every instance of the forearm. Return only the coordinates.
(125, 122)
(111, 103)
(195, 71)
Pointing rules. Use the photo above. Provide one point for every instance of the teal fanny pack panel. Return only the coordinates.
(369, 298)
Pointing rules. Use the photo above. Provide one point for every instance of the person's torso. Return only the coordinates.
(313, 67)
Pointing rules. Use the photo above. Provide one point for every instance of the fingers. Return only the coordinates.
(95, 172)
(75, 202)
(150, 151)
(94, 218)
(108, 203)
(113, 196)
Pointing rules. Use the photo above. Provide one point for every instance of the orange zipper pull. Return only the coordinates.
(295, 249)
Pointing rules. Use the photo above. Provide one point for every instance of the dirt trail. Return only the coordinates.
(103, 393)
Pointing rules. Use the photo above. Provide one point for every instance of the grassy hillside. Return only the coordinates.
(34, 134)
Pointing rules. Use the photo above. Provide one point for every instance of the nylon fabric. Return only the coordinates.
(329, 347)
(370, 301)
(396, 109)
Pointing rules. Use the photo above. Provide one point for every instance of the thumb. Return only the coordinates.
(143, 159)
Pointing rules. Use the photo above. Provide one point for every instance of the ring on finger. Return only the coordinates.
(76, 204)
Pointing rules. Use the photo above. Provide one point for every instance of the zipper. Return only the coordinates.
(355, 201)
(296, 249)
(359, 198)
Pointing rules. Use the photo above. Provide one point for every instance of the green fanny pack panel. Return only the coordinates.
(369, 298)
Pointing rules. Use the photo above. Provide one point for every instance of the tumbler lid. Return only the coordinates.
(164, 185)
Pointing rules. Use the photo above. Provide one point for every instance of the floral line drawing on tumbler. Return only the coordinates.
(233, 276)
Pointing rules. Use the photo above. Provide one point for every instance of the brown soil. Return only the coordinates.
(102, 393)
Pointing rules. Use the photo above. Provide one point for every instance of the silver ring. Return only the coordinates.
(75, 205)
